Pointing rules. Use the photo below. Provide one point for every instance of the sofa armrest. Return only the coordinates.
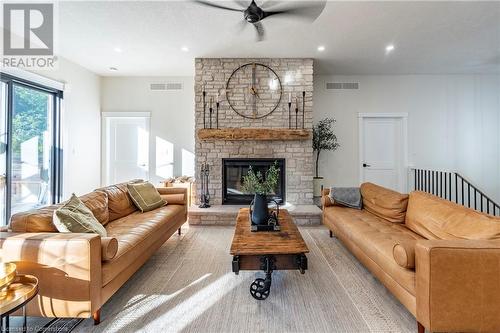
(67, 265)
(174, 195)
(325, 198)
(458, 285)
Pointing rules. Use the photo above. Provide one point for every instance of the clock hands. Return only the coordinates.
(253, 91)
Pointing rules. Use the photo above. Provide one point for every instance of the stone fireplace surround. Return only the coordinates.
(296, 75)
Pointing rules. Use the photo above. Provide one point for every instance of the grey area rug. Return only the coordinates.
(188, 286)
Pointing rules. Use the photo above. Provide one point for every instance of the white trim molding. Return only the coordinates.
(143, 114)
(32, 77)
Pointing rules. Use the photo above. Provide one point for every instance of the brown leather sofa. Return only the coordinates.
(79, 272)
(439, 259)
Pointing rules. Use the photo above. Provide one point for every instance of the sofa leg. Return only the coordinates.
(421, 328)
(97, 317)
(331, 234)
(179, 231)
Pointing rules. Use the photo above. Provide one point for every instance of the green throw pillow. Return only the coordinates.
(74, 216)
(145, 196)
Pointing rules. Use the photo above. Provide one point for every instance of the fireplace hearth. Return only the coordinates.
(233, 170)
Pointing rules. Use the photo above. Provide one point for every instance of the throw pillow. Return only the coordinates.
(74, 216)
(346, 196)
(145, 196)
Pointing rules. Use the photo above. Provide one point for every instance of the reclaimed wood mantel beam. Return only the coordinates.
(258, 134)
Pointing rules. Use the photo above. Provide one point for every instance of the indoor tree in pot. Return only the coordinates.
(323, 139)
(261, 186)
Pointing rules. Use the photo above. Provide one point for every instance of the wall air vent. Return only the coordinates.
(342, 85)
(165, 86)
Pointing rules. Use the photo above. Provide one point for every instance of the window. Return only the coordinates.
(30, 154)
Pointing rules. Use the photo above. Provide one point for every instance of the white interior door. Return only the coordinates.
(126, 151)
(383, 150)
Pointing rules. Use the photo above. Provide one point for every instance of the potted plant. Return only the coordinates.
(323, 139)
(260, 186)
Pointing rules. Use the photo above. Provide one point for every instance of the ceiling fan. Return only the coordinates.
(255, 14)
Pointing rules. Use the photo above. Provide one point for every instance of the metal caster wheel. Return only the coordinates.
(258, 290)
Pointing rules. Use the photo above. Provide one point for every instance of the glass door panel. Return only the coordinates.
(3, 153)
(31, 148)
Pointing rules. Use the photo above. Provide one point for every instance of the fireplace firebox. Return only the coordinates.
(233, 170)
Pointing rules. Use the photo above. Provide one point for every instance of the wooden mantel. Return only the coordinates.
(258, 134)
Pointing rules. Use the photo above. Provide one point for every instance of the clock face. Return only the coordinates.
(254, 90)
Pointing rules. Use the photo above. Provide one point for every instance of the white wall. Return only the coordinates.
(172, 114)
(80, 128)
(453, 123)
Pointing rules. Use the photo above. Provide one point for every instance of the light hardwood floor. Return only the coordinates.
(188, 286)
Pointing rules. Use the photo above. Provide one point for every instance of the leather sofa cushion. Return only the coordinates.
(385, 203)
(97, 202)
(436, 218)
(376, 238)
(36, 220)
(135, 233)
(404, 253)
(119, 202)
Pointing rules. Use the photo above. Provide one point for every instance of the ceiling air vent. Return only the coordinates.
(342, 85)
(165, 86)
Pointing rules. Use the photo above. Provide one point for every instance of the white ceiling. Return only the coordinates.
(429, 37)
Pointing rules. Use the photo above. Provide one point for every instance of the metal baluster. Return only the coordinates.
(468, 195)
(441, 184)
(449, 185)
(445, 185)
(475, 199)
(432, 182)
(462, 191)
(425, 180)
(482, 211)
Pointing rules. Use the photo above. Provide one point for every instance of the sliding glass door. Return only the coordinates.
(3, 153)
(30, 165)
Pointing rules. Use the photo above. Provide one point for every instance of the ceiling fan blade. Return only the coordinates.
(214, 5)
(308, 11)
(259, 28)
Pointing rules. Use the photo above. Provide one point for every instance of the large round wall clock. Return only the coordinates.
(254, 90)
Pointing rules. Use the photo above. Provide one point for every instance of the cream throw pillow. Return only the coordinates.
(145, 196)
(74, 216)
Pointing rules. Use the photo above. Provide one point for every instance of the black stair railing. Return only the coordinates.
(454, 187)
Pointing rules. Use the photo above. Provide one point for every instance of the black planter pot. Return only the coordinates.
(260, 212)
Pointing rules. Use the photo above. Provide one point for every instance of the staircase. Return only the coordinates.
(453, 187)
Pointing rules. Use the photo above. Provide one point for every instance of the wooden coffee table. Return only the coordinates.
(267, 250)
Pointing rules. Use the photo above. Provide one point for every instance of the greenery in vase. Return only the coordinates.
(255, 182)
(324, 139)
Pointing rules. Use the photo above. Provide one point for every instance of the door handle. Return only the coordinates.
(366, 165)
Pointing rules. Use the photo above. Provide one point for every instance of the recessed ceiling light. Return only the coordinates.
(113, 68)
(321, 48)
(184, 49)
(389, 48)
(118, 50)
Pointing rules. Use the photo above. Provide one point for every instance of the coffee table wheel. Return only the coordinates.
(258, 289)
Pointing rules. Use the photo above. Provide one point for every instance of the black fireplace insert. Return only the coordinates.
(233, 170)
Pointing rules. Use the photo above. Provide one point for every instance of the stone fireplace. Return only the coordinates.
(296, 76)
(292, 147)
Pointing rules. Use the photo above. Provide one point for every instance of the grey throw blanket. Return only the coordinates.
(347, 196)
